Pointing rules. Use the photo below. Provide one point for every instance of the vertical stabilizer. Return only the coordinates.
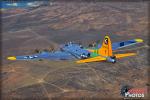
(106, 48)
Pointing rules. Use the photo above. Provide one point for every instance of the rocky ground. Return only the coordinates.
(24, 30)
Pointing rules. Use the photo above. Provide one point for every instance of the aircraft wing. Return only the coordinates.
(58, 55)
(98, 58)
(67, 52)
(118, 45)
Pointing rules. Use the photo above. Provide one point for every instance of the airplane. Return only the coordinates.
(73, 51)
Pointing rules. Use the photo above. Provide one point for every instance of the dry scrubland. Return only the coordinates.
(47, 27)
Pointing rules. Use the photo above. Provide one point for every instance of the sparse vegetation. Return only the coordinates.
(48, 27)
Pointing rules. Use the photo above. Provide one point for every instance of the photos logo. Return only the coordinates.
(133, 92)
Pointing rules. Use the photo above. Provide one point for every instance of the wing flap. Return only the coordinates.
(98, 58)
(124, 55)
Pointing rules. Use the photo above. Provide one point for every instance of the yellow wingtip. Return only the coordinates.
(138, 40)
(11, 58)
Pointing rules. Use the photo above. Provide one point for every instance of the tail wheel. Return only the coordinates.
(114, 57)
(114, 61)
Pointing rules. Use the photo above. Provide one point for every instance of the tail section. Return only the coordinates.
(106, 48)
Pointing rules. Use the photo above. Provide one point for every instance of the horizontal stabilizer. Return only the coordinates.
(98, 58)
(124, 55)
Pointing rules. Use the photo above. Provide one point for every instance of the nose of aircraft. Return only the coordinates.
(11, 58)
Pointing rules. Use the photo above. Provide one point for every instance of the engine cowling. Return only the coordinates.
(84, 56)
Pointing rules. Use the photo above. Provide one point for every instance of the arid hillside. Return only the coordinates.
(46, 27)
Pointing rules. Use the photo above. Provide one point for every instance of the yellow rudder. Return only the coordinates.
(106, 49)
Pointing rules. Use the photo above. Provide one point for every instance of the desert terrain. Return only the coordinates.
(24, 30)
